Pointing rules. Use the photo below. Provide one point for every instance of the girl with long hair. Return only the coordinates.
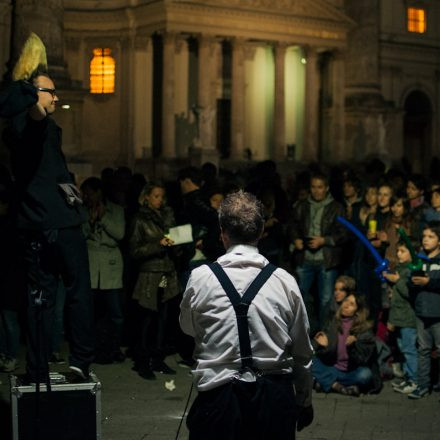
(345, 350)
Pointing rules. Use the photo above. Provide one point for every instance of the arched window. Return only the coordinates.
(102, 71)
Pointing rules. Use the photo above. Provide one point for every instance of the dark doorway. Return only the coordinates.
(417, 131)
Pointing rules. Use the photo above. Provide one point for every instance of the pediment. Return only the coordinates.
(312, 9)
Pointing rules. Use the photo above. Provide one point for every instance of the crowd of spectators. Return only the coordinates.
(356, 315)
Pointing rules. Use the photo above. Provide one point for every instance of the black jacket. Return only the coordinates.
(332, 231)
(38, 164)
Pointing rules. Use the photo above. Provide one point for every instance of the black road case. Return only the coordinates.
(70, 411)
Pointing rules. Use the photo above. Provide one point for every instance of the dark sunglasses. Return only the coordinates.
(53, 92)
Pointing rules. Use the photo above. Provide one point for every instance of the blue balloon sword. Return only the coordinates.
(382, 263)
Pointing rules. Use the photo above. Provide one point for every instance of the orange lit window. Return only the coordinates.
(102, 71)
(416, 20)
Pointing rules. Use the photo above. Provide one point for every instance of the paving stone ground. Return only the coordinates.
(136, 409)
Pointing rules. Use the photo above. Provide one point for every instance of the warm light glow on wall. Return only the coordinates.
(417, 20)
(102, 71)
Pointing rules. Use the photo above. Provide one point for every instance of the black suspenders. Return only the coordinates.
(241, 306)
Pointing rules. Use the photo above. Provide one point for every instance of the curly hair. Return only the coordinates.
(241, 216)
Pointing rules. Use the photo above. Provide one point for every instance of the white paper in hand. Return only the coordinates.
(181, 234)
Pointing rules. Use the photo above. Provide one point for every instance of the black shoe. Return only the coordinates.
(146, 373)
(162, 367)
(317, 387)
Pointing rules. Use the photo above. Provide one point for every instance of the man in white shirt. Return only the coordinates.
(250, 358)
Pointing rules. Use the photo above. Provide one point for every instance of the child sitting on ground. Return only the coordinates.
(345, 350)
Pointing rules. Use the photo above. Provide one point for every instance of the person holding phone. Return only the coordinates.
(425, 291)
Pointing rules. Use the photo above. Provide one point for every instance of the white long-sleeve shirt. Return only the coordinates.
(278, 323)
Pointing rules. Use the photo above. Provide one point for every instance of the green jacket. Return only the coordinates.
(402, 313)
(105, 258)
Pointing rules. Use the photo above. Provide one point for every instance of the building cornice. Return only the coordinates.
(290, 21)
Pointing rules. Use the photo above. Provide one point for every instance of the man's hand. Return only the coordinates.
(299, 244)
(305, 417)
(316, 242)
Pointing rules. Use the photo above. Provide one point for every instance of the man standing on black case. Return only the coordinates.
(49, 216)
(251, 338)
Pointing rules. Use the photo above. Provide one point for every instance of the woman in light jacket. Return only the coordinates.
(104, 230)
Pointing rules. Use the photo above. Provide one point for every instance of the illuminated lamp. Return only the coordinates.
(102, 72)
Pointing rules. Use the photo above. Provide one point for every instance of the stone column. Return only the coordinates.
(367, 113)
(5, 32)
(206, 97)
(45, 18)
(142, 97)
(237, 99)
(336, 119)
(311, 120)
(168, 120)
(126, 154)
(279, 123)
(362, 53)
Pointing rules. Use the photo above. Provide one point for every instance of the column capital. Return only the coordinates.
(238, 42)
(206, 38)
(169, 37)
(310, 51)
(249, 51)
(142, 41)
(281, 46)
(181, 43)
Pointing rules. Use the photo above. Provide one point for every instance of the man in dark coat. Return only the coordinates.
(49, 219)
(317, 237)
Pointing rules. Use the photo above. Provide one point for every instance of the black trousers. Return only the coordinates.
(150, 347)
(50, 256)
(261, 410)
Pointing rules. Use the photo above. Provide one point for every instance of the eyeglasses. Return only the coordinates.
(53, 92)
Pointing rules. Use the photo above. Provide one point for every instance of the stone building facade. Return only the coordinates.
(237, 80)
